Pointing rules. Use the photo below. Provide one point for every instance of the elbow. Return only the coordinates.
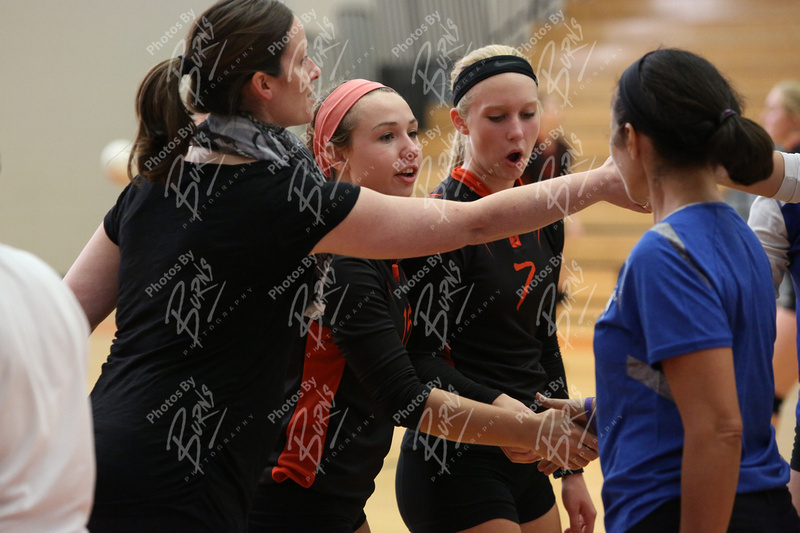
(724, 431)
(478, 230)
(730, 434)
(731, 430)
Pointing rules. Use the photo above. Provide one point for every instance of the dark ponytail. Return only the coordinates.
(225, 46)
(744, 148)
(165, 125)
(692, 115)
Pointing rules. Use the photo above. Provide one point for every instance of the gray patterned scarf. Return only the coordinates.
(245, 136)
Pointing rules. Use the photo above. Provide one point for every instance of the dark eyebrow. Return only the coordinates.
(384, 124)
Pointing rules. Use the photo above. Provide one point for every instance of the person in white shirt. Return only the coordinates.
(47, 465)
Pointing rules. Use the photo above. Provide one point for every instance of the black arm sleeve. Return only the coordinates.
(361, 321)
(552, 362)
(433, 318)
(795, 462)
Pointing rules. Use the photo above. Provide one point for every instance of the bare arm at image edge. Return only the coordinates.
(94, 277)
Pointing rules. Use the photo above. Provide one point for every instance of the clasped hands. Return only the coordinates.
(562, 440)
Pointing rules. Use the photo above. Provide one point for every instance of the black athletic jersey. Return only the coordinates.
(214, 281)
(489, 311)
(353, 386)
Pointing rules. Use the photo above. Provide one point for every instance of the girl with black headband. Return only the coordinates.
(487, 313)
(684, 347)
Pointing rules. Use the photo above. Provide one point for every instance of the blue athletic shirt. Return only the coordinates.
(695, 281)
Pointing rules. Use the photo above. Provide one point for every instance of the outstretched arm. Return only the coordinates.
(412, 227)
(783, 184)
(551, 434)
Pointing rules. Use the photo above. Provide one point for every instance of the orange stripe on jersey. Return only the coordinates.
(471, 180)
(448, 357)
(478, 187)
(396, 272)
(308, 428)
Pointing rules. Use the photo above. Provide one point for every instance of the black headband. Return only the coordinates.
(632, 96)
(486, 68)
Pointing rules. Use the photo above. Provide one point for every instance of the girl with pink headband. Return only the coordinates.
(355, 381)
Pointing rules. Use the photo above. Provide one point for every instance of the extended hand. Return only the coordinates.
(562, 442)
(514, 453)
(614, 190)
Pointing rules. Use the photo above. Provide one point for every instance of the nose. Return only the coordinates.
(315, 70)
(412, 149)
(515, 130)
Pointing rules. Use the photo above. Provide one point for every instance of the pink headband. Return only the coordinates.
(331, 113)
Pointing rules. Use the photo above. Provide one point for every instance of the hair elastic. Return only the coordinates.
(725, 115)
(187, 64)
(486, 68)
(331, 113)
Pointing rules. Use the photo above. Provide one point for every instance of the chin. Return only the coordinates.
(404, 191)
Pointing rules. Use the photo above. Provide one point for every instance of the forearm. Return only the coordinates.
(524, 209)
(794, 488)
(551, 436)
(710, 467)
(712, 426)
(456, 418)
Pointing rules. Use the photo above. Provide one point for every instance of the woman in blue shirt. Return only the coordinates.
(684, 347)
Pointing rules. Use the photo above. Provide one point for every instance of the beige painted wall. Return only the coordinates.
(68, 77)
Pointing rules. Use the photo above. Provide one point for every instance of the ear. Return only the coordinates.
(336, 158)
(633, 141)
(261, 85)
(458, 121)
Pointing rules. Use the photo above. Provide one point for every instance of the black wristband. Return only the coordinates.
(558, 474)
(776, 404)
(795, 462)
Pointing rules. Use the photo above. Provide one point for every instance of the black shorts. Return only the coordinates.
(289, 508)
(131, 518)
(769, 511)
(482, 485)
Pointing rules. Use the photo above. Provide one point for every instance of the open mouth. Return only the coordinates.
(514, 157)
(409, 174)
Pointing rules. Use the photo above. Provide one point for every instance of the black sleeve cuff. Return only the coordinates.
(558, 474)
